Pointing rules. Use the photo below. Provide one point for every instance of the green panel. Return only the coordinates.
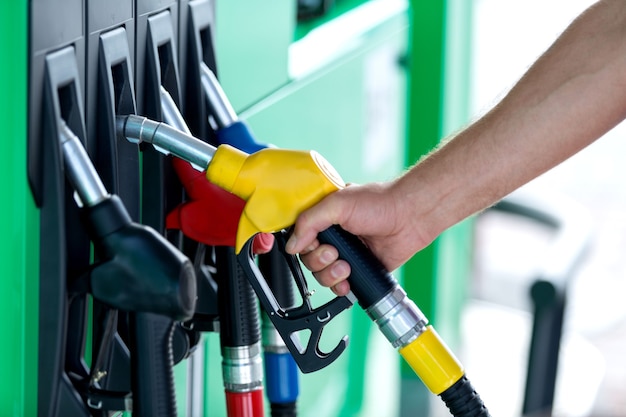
(454, 260)
(19, 245)
(457, 64)
(424, 126)
(351, 109)
(214, 401)
(252, 38)
(438, 101)
(180, 382)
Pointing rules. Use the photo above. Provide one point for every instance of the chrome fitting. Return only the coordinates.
(242, 368)
(398, 318)
(272, 340)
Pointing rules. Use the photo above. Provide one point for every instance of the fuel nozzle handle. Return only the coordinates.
(137, 269)
(370, 281)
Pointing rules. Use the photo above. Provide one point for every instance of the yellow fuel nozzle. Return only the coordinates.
(277, 185)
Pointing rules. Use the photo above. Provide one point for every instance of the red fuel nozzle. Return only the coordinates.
(210, 215)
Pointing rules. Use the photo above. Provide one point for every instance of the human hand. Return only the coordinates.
(374, 213)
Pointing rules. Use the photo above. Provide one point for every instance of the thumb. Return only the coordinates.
(311, 222)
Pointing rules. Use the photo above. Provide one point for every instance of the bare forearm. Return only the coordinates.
(571, 96)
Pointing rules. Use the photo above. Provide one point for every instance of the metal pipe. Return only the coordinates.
(166, 139)
(79, 169)
(220, 107)
(171, 114)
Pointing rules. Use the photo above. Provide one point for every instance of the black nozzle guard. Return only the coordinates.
(289, 321)
(138, 269)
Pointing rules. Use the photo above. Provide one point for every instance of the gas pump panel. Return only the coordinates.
(139, 314)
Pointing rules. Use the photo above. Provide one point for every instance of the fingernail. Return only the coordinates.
(341, 288)
(327, 257)
(291, 244)
(339, 270)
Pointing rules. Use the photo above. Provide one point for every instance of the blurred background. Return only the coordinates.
(507, 37)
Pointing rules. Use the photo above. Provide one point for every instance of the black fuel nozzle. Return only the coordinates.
(137, 269)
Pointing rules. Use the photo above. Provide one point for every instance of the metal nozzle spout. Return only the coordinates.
(166, 139)
(171, 114)
(223, 112)
(79, 169)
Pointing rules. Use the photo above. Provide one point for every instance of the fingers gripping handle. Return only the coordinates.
(369, 280)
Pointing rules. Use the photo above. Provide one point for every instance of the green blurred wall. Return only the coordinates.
(20, 243)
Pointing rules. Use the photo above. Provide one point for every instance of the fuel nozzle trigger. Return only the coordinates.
(289, 321)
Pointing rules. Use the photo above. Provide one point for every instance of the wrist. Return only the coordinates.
(418, 212)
